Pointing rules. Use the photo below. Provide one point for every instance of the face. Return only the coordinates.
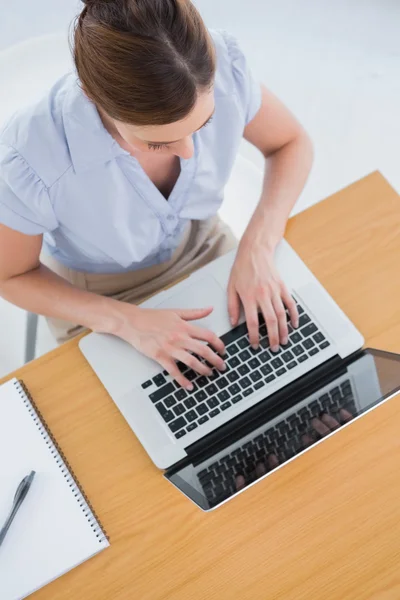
(175, 138)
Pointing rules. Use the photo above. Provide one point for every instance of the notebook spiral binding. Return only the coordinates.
(63, 463)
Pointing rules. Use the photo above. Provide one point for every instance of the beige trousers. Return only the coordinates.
(203, 242)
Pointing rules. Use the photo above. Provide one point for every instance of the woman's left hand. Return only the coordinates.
(255, 282)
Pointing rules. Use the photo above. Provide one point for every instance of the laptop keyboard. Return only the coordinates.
(248, 371)
(282, 440)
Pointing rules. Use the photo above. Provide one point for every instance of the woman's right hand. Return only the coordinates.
(168, 336)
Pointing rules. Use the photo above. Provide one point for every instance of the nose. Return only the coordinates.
(185, 147)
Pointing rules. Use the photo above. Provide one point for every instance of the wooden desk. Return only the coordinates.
(325, 527)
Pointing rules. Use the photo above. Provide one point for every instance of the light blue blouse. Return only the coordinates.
(63, 175)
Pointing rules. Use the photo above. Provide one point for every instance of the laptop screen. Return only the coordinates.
(287, 430)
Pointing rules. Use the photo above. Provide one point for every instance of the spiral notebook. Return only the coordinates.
(55, 529)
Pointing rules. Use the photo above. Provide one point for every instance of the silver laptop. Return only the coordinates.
(170, 421)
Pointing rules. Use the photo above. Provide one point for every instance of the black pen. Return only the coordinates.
(19, 497)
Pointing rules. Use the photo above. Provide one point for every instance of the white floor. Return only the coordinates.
(335, 64)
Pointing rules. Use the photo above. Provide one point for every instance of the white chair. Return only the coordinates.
(27, 71)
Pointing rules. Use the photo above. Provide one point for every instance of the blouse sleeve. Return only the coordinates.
(247, 87)
(25, 205)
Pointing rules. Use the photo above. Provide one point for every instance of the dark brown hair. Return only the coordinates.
(143, 61)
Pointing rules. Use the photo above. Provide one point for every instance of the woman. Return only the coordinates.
(110, 186)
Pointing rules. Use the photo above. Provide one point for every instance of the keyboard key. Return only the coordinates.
(161, 409)
(244, 382)
(303, 358)
(315, 408)
(303, 320)
(237, 398)
(212, 402)
(270, 378)
(179, 409)
(180, 434)
(300, 309)
(244, 355)
(259, 385)
(318, 337)
(263, 330)
(200, 396)
(287, 356)
(295, 337)
(215, 412)
(211, 389)
(234, 389)
(308, 344)
(233, 362)
(225, 405)
(264, 356)
(191, 375)
(180, 394)
(162, 392)
(224, 395)
(203, 419)
(170, 401)
(247, 392)
(254, 363)
(243, 369)
(191, 416)
(202, 408)
(214, 375)
(147, 384)
(191, 427)
(255, 350)
(291, 365)
(233, 376)
(189, 402)
(313, 351)
(324, 345)
(177, 424)
(222, 382)
(281, 371)
(159, 380)
(256, 376)
(232, 349)
(308, 330)
(266, 370)
(234, 334)
(243, 343)
(297, 350)
(346, 388)
(264, 343)
(276, 363)
(201, 381)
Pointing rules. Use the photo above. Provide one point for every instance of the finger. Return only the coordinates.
(272, 461)
(320, 427)
(307, 440)
(205, 351)
(207, 336)
(345, 415)
(191, 361)
(251, 314)
(282, 321)
(261, 469)
(240, 482)
(192, 314)
(233, 304)
(290, 305)
(330, 421)
(271, 323)
(172, 368)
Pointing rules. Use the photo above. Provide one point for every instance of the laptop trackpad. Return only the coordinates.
(200, 294)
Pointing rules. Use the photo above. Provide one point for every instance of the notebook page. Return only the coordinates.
(50, 534)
